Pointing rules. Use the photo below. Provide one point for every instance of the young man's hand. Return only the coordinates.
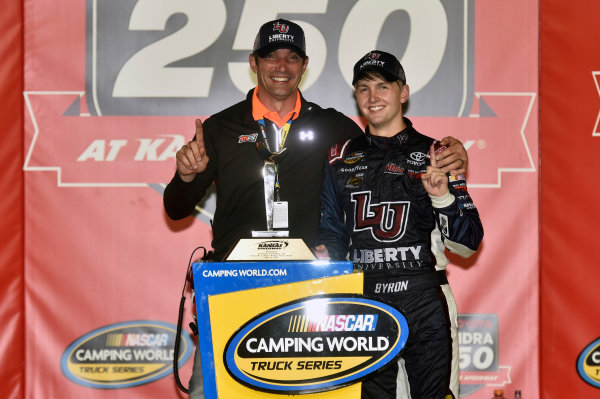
(321, 252)
(434, 180)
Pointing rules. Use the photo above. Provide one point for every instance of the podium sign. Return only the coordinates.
(289, 326)
(214, 279)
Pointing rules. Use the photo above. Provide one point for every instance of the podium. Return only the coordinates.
(290, 327)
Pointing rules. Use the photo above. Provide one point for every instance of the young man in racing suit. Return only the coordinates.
(385, 202)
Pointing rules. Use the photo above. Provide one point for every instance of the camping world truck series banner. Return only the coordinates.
(112, 89)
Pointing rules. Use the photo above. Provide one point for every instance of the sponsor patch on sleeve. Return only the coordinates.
(337, 151)
(456, 178)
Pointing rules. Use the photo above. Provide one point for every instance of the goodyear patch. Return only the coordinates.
(588, 364)
(125, 354)
(316, 344)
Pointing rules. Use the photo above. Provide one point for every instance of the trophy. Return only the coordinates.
(274, 242)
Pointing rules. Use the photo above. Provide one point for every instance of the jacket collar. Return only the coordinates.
(385, 142)
(305, 106)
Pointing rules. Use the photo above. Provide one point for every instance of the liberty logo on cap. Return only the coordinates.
(281, 27)
(372, 56)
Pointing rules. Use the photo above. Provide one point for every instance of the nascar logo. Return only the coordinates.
(340, 322)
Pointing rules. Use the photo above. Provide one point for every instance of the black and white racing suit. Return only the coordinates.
(374, 205)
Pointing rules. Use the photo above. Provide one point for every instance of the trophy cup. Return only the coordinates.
(274, 242)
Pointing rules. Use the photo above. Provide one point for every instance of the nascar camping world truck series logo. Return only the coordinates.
(588, 363)
(316, 344)
(124, 355)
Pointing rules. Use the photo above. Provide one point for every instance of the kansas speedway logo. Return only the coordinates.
(588, 364)
(316, 344)
(124, 355)
(272, 245)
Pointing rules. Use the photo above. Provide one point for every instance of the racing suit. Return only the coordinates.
(374, 204)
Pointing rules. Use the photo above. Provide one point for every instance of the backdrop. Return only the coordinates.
(111, 92)
(570, 331)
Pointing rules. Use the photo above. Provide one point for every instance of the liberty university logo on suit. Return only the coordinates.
(386, 221)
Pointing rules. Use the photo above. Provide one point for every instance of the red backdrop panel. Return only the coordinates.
(570, 107)
(11, 204)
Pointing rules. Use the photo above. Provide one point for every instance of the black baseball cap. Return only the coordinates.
(277, 34)
(380, 61)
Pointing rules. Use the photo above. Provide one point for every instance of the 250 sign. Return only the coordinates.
(190, 57)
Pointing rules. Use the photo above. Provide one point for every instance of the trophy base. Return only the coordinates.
(270, 248)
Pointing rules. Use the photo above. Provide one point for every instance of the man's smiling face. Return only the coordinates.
(380, 102)
(279, 73)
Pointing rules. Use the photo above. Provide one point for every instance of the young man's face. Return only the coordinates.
(279, 73)
(380, 102)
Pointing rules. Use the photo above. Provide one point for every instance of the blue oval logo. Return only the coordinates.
(124, 355)
(588, 364)
(316, 344)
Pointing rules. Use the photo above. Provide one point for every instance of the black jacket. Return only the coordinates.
(235, 166)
